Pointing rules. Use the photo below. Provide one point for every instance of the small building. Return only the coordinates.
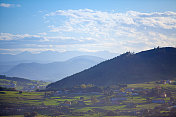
(163, 95)
(129, 89)
(163, 82)
(168, 81)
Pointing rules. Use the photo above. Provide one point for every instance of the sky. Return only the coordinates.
(86, 25)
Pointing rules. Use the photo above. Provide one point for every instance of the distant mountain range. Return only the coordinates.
(7, 61)
(150, 65)
(52, 56)
(53, 71)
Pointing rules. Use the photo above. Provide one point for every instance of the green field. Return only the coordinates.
(47, 105)
(151, 85)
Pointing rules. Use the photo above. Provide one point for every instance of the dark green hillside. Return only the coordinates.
(150, 65)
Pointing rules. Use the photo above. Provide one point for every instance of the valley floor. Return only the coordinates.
(148, 99)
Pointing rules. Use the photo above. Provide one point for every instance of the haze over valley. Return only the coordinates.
(53, 71)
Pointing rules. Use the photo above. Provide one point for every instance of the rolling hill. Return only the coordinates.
(21, 83)
(55, 70)
(150, 65)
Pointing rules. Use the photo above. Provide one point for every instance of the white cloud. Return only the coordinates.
(9, 5)
(5, 5)
(124, 30)
(86, 17)
(32, 50)
(9, 36)
(44, 33)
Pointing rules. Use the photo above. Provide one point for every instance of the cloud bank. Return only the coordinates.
(127, 31)
(93, 30)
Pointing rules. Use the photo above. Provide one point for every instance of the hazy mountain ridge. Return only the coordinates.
(55, 70)
(155, 64)
(51, 56)
(8, 61)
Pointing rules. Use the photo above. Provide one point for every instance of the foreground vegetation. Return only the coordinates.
(156, 99)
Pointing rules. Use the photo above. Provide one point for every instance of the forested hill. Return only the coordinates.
(150, 65)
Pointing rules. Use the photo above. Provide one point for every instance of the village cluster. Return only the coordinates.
(148, 99)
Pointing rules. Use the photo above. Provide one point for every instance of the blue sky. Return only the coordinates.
(86, 25)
